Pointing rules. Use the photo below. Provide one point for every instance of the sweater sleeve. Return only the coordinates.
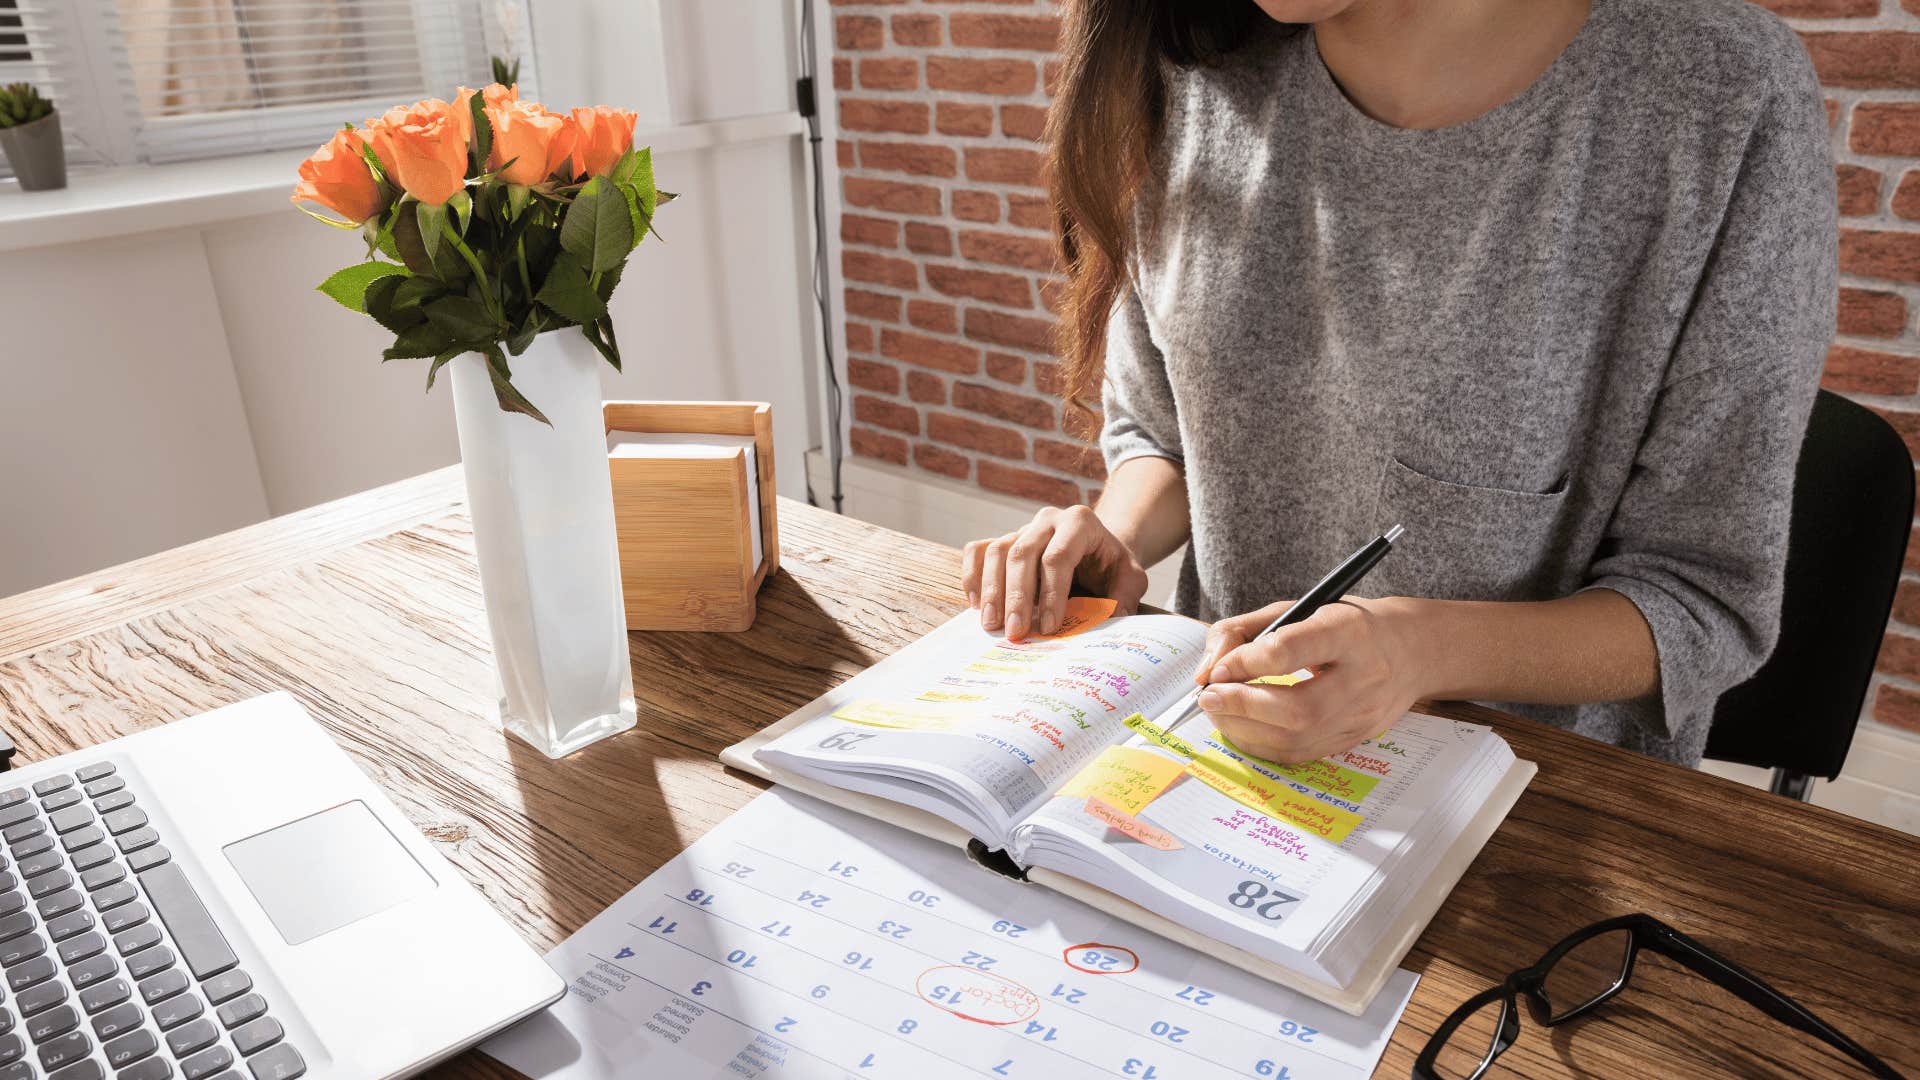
(1137, 399)
(1698, 539)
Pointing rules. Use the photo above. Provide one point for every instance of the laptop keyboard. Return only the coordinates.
(93, 986)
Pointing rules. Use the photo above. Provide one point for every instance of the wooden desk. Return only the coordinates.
(368, 610)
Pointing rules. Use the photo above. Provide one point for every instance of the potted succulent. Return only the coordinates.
(30, 135)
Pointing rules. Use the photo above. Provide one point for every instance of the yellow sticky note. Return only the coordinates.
(1284, 680)
(1336, 780)
(896, 715)
(1255, 791)
(1126, 778)
(1083, 613)
(1158, 736)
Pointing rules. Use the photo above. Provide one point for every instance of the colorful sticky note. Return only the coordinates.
(1128, 825)
(1158, 736)
(1125, 777)
(1083, 613)
(1256, 791)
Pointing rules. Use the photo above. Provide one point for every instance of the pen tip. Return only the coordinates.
(1394, 533)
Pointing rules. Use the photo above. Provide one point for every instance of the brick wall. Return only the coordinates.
(1868, 55)
(948, 264)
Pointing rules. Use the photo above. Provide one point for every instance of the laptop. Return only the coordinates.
(227, 897)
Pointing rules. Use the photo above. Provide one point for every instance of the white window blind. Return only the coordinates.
(169, 80)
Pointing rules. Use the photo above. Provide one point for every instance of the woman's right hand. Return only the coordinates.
(1022, 580)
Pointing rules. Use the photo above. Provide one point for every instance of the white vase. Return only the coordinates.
(542, 504)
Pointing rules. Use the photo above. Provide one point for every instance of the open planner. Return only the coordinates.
(1048, 760)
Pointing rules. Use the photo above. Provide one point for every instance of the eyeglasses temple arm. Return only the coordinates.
(1754, 991)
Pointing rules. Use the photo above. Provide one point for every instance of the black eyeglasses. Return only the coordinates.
(1586, 968)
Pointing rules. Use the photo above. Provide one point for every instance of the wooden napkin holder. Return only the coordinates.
(686, 548)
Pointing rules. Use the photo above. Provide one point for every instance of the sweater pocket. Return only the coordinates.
(1465, 542)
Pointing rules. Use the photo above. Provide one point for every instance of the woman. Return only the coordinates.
(1548, 282)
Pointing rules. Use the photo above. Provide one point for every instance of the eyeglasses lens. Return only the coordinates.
(1587, 972)
(1470, 1047)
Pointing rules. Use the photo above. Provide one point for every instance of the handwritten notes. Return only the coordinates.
(1255, 790)
(1125, 778)
(1159, 736)
(1115, 818)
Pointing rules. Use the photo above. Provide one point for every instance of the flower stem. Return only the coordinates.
(486, 289)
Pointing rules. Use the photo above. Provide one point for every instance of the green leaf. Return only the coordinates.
(442, 262)
(642, 221)
(349, 286)
(431, 220)
(463, 320)
(600, 334)
(424, 339)
(610, 281)
(416, 291)
(482, 131)
(373, 161)
(569, 292)
(635, 168)
(461, 205)
(530, 327)
(440, 360)
(509, 398)
(383, 305)
(597, 227)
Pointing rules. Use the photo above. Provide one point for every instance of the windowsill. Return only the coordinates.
(101, 203)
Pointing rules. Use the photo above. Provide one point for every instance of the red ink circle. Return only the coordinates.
(979, 996)
(1066, 954)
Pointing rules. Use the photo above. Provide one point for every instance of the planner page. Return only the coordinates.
(998, 722)
(1272, 852)
(797, 941)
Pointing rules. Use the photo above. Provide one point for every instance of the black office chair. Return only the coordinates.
(1852, 509)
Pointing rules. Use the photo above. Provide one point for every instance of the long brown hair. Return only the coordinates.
(1106, 117)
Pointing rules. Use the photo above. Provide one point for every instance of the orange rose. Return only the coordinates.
(422, 149)
(493, 94)
(601, 134)
(525, 134)
(337, 177)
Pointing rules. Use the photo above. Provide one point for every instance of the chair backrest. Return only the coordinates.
(1852, 511)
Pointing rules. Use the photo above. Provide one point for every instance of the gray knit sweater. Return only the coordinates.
(1570, 344)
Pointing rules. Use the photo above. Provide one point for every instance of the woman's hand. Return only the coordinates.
(1365, 677)
(1022, 580)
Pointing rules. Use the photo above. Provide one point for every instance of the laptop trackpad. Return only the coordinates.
(324, 871)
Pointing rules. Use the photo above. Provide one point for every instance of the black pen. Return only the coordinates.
(1331, 588)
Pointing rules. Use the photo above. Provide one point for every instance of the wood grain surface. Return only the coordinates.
(368, 610)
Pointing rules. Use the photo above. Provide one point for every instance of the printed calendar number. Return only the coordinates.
(1263, 1067)
(845, 741)
(1173, 1033)
(1257, 899)
(1136, 1067)
(1297, 1032)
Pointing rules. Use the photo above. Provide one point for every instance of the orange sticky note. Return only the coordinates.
(1083, 614)
(1113, 818)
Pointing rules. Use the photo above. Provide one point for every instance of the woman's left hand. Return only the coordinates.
(1365, 677)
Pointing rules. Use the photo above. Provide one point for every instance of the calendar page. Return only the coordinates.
(799, 940)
